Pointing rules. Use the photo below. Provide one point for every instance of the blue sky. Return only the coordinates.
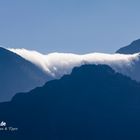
(78, 26)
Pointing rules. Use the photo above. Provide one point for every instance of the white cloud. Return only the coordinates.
(58, 64)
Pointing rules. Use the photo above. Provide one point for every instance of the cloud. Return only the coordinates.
(58, 64)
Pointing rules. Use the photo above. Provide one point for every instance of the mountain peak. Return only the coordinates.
(134, 47)
(4, 51)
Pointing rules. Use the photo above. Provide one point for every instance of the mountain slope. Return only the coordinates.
(17, 75)
(94, 102)
(134, 47)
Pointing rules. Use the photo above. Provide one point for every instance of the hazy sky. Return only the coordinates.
(78, 26)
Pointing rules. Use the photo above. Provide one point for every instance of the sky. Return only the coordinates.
(76, 26)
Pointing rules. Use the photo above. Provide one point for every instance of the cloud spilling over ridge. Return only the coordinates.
(58, 64)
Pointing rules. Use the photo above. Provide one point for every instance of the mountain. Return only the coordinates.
(93, 103)
(134, 47)
(30, 69)
(17, 75)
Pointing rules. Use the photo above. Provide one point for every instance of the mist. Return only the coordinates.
(59, 64)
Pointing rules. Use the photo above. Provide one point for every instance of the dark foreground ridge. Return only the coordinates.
(93, 103)
(134, 47)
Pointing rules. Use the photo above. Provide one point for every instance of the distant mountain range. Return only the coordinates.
(22, 70)
(59, 64)
(134, 47)
(93, 103)
(18, 74)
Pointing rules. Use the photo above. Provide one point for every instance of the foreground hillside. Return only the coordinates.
(93, 103)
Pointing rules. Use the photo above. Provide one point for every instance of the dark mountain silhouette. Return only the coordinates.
(93, 103)
(17, 75)
(134, 47)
